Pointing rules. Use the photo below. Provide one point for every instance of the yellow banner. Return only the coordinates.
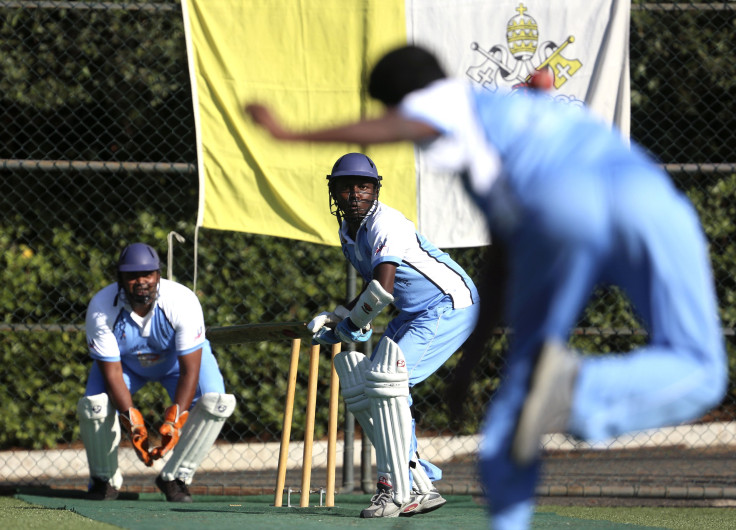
(309, 59)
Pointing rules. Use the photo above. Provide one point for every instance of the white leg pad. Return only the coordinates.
(100, 432)
(197, 436)
(421, 480)
(387, 387)
(351, 367)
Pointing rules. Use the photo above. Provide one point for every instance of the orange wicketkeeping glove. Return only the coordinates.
(170, 430)
(132, 421)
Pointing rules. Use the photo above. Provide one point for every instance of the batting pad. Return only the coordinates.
(100, 431)
(421, 480)
(197, 436)
(387, 387)
(351, 367)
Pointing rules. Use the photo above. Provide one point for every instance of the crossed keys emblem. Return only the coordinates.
(513, 66)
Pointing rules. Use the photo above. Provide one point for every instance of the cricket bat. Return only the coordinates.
(241, 333)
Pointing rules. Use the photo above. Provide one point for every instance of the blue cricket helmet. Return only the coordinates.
(138, 257)
(351, 165)
(355, 165)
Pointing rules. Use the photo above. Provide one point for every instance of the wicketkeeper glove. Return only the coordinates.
(347, 331)
(132, 422)
(170, 430)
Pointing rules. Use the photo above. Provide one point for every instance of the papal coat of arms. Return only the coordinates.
(511, 66)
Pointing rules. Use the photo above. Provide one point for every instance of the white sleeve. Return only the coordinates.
(392, 235)
(187, 319)
(448, 106)
(100, 338)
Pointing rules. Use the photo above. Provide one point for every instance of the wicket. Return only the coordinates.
(309, 426)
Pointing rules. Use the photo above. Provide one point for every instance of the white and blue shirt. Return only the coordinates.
(425, 275)
(505, 142)
(149, 346)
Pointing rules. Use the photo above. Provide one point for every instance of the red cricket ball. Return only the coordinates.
(542, 79)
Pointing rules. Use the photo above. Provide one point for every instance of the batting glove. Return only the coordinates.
(325, 336)
(328, 319)
(347, 332)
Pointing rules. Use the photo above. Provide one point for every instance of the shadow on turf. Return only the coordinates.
(47, 491)
(251, 510)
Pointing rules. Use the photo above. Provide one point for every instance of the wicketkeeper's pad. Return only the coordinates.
(100, 432)
(197, 436)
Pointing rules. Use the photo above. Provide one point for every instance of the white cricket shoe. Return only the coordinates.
(382, 504)
(423, 503)
(549, 401)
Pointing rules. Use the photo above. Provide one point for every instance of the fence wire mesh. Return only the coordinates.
(97, 149)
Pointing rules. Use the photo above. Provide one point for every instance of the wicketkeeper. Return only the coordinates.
(437, 304)
(144, 328)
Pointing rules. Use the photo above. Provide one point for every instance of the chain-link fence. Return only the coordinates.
(98, 150)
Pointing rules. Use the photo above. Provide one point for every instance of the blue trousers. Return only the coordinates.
(628, 227)
(210, 378)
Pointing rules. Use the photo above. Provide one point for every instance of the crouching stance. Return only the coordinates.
(437, 304)
(140, 329)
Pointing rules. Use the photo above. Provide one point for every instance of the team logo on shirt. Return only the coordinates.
(148, 359)
(380, 247)
(512, 65)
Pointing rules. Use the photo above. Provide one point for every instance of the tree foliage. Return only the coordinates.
(112, 85)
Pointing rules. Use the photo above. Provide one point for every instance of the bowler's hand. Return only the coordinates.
(263, 116)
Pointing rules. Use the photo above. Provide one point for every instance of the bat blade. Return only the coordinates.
(242, 333)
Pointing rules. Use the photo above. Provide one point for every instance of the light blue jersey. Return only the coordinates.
(575, 207)
(425, 275)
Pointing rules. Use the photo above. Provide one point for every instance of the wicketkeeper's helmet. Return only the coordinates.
(351, 165)
(138, 257)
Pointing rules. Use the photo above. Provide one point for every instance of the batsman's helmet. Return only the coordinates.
(351, 165)
(138, 257)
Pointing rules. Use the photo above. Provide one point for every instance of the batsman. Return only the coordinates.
(437, 305)
(144, 328)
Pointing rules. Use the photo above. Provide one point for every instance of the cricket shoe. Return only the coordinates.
(549, 402)
(422, 503)
(175, 490)
(382, 504)
(102, 490)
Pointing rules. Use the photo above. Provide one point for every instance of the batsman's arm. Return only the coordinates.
(356, 327)
(385, 274)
